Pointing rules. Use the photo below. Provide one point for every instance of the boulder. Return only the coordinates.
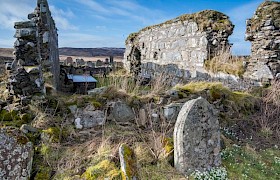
(121, 112)
(16, 154)
(89, 117)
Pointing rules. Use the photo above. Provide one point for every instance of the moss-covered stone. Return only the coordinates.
(128, 163)
(103, 170)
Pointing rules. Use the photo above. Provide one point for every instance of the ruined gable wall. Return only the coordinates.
(183, 43)
(36, 50)
(264, 33)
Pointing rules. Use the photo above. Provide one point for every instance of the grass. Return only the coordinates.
(226, 63)
(246, 163)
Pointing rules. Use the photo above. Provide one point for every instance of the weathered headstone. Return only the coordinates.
(128, 163)
(16, 154)
(196, 137)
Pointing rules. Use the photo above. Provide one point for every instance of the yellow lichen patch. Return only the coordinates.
(168, 145)
(128, 163)
(104, 169)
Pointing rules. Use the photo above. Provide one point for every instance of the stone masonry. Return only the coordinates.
(16, 154)
(36, 50)
(197, 137)
(264, 33)
(179, 46)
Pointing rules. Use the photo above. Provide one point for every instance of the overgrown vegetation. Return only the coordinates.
(267, 9)
(226, 63)
(65, 152)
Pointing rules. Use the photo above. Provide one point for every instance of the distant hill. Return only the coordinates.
(91, 52)
(83, 52)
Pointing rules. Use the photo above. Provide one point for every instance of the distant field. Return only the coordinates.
(88, 54)
(6, 52)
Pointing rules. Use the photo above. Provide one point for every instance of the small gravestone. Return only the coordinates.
(128, 163)
(16, 154)
(196, 137)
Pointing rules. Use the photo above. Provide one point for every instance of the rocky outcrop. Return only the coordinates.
(197, 137)
(264, 34)
(36, 48)
(16, 154)
(179, 46)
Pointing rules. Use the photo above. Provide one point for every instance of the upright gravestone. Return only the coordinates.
(16, 154)
(196, 137)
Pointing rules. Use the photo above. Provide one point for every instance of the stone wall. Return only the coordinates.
(264, 34)
(184, 43)
(36, 49)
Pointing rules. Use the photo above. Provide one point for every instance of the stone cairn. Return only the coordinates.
(264, 33)
(179, 46)
(197, 137)
(36, 49)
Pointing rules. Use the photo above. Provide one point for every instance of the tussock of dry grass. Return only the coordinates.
(226, 63)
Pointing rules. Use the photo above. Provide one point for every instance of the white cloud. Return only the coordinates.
(12, 11)
(125, 8)
(88, 40)
(61, 18)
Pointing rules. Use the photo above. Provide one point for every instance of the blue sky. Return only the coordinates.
(107, 23)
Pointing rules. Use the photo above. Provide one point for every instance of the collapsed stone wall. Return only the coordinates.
(35, 49)
(264, 33)
(182, 44)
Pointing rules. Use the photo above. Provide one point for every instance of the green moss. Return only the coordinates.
(43, 173)
(160, 171)
(239, 102)
(54, 133)
(14, 118)
(130, 163)
(9, 116)
(102, 170)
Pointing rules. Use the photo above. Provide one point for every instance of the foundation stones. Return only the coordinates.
(16, 154)
(196, 137)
